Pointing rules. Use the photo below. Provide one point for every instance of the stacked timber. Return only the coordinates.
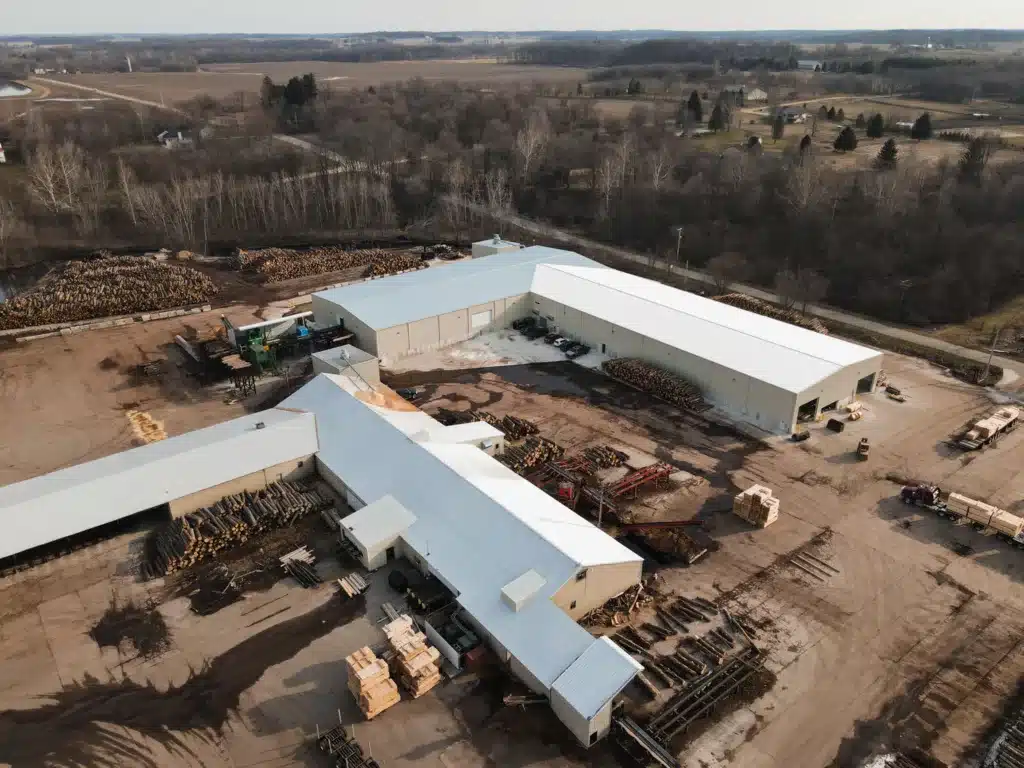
(657, 381)
(192, 538)
(278, 264)
(104, 287)
(449, 418)
(534, 452)
(750, 304)
(417, 662)
(757, 506)
(605, 457)
(369, 680)
(999, 520)
(513, 427)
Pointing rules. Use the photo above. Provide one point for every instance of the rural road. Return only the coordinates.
(109, 94)
(1012, 369)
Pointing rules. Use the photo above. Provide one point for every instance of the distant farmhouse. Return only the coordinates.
(744, 94)
(792, 115)
(810, 65)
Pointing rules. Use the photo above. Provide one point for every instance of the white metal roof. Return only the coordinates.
(777, 353)
(73, 500)
(398, 299)
(479, 525)
(381, 520)
(597, 676)
(343, 356)
(471, 432)
(518, 592)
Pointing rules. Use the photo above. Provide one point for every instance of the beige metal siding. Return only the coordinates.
(601, 583)
(523, 674)
(841, 386)
(288, 470)
(576, 723)
(454, 326)
(393, 343)
(423, 334)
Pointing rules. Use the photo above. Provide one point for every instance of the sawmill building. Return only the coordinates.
(753, 368)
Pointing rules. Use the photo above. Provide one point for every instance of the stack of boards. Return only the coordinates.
(370, 681)
(416, 662)
(757, 506)
(995, 518)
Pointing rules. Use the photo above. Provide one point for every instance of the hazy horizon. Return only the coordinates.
(313, 17)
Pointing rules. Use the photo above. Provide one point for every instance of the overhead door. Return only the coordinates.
(481, 319)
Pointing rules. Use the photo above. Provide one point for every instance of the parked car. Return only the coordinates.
(576, 350)
(551, 338)
(535, 332)
(407, 394)
(523, 323)
(562, 343)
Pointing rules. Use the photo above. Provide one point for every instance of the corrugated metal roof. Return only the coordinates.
(398, 299)
(73, 500)
(777, 353)
(381, 520)
(478, 523)
(596, 676)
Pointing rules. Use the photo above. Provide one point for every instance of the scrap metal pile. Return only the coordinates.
(657, 381)
(277, 264)
(104, 287)
(513, 427)
(192, 538)
(759, 307)
(534, 452)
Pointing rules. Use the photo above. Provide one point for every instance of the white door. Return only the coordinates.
(480, 319)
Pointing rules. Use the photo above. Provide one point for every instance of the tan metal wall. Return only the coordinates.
(600, 584)
(393, 343)
(424, 334)
(841, 387)
(289, 470)
(584, 730)
(453, 326)
(329, 313)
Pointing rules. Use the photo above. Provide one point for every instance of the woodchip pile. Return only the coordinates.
(415, 660)
(191, 538)
(370, 681)
(103, 287)
(759, 307)
(277, 264)
(657, 381)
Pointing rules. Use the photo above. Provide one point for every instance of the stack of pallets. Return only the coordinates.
(417, 662)
(370, 681)
(757, 506)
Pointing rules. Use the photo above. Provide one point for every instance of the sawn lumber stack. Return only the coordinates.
(657, 381)
(415, 661)
(370, 681)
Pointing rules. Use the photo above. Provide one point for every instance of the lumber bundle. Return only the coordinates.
(369, 680)
(605, 457)
(277, 264)
(757, 506)
(103, 287)
(417, 663)
(513, 427)
(192, 538)
(657, 381)
(534, 452)
(759, 307)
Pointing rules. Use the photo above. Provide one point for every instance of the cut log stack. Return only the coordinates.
(191, 538)
(104, 287)
(449, 418)
(369, 680)
(657, 381)
(277, 264)
(757, 506)
(513, 427)
(534, 452)
(417, 662)
(605, 457)
(759, 307)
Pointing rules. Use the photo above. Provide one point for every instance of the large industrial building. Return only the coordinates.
(755, 369)
(520, 566)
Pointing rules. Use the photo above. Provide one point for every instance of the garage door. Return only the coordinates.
(480, 319)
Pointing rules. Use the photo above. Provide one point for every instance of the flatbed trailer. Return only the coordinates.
(988, 430)
(954, 506)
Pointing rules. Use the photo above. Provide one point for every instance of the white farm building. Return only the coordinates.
(755, 369)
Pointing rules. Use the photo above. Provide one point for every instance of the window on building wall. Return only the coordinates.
(581, 575)
(572, 606)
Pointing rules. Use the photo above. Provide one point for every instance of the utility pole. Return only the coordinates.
(679, 244)
(991, 351)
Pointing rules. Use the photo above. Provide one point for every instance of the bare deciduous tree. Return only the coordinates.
(728, 268)
(531, 141)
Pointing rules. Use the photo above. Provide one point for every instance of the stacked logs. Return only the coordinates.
(657, 381)
(534, 452)
(450, 418)
(277, 264)
(513, 427)
(759, 307)
(192, 538)
(605, 457)
(103, 287)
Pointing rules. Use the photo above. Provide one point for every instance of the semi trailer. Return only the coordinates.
(956, 506)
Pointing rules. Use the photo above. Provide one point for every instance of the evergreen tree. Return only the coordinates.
(973, 161)
(861, 121)
(876, 126)
(805, 144)
(831, 113)
(778, 127)
(696, 107)
(922, 127)
(823, 113)
(841, 115)
(846, 141)
(887, 156)
(717, 120)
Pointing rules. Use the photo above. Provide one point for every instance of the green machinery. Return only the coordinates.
(264, 345)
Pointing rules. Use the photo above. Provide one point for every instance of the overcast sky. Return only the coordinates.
(323, 16)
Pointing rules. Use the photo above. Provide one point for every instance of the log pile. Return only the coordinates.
(449, 418)
(534, 452)
(103, 287)
(605, 457)
(513, 427)
(277, 264)
(415, 660)
(759, 307)
(370, 682)
(192, 538)
(658, 382)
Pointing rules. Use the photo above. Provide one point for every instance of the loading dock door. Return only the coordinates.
(480, 319)
(867, 384)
